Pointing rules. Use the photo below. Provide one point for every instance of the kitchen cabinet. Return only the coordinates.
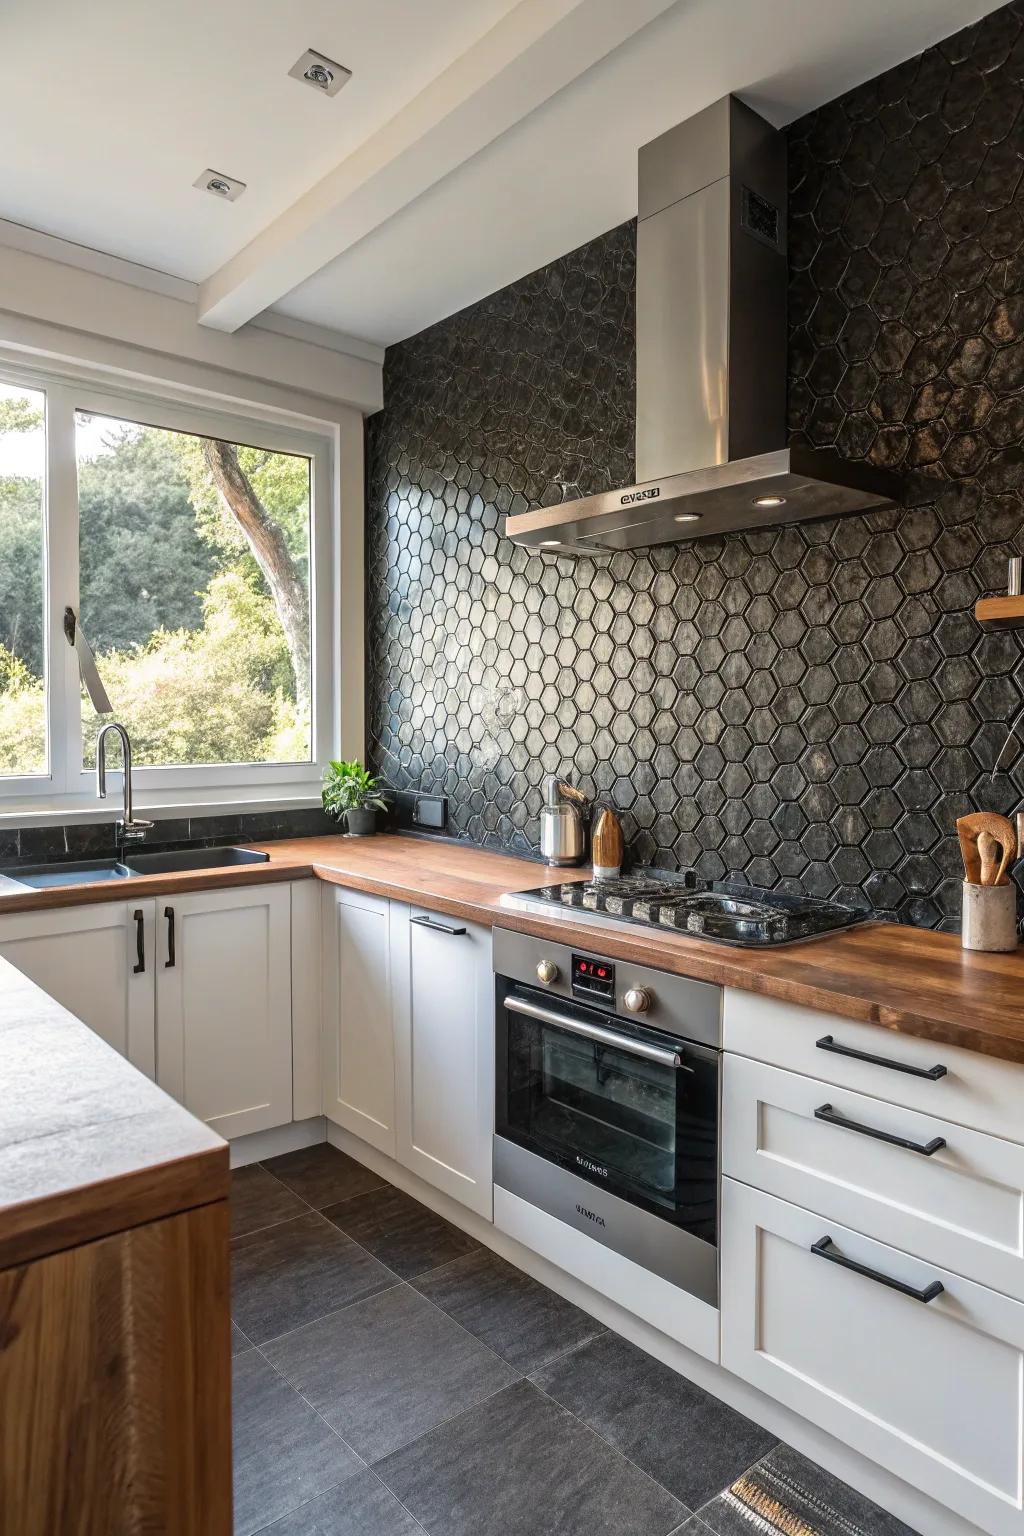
(223, 1005)
(929, 1389)
(444, 1053)
(359, 1036)
(98, 961)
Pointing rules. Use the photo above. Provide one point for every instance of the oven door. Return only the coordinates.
(630, 1109)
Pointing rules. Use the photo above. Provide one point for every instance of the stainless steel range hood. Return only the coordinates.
(711, 340)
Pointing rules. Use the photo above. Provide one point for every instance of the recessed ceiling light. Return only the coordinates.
(769, 501)
(322, 73)
(686, 517)
(227, 188)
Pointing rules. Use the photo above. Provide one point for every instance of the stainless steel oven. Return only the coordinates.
(607, 1102)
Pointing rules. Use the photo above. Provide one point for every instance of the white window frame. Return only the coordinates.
(68, 785)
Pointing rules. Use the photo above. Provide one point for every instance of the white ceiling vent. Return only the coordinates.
(317, 70)
(227, 188)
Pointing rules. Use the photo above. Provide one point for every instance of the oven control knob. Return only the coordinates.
(547, 972)
(637, 1000)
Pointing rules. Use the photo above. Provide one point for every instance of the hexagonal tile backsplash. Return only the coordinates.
(807, 707)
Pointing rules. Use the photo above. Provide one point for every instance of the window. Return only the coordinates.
(194, 547)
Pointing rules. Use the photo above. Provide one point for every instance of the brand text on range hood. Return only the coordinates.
(711, 339)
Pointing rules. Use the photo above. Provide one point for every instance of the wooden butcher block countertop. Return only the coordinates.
(911, 980)
(88, 1145)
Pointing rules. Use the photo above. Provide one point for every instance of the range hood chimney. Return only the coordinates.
(711, 340)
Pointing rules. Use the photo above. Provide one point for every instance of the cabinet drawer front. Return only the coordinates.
(974, 1090)
(929, 1390)
(960, 1207)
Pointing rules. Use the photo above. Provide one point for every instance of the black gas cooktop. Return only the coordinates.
(727, 914)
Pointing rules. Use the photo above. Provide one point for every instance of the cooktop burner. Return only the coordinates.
(728, 914)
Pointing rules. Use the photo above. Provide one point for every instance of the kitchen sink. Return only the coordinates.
(43, 876)
(87, 871)
(185, 859)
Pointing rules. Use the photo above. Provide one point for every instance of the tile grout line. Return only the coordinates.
(357, 1301)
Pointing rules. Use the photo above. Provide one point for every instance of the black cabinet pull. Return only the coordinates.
(140, 942)
(169, 914)
(926, 1148)
(438, 927)
(824, 1248)
(826, 1043)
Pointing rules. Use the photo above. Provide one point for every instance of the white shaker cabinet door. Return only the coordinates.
(98, 962)
(924, 1380)
(444, 1041)
(223, 1004)
(358, 1039)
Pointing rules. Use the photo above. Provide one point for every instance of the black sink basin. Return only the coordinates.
(185, 859)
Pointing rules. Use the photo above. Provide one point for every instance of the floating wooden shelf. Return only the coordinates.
(1000, 612)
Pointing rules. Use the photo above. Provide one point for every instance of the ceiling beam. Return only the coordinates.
(537, 49)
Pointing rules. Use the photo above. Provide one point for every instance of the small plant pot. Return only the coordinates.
(989, 918)
(362, 822)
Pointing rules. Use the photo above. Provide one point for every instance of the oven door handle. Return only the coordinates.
(658, 1053)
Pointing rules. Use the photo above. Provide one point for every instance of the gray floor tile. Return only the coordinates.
(690, 1442)
(289, 1274)
(239, 1342)
(515, 1316)
(786, 1492)
(284, 1454)
(388, 1369)
(401, 1232)
(259, 1200)
(362, 1506)
(521, 1466)
(322, 1175)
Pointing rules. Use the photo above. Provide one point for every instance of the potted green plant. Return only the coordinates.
(352, 792)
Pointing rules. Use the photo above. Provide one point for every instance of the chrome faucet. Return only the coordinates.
(128, 829)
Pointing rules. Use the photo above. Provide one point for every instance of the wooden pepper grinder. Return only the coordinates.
(607, 845)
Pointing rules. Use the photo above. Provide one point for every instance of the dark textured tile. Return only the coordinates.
(786, 1492)
(239, 1342)
(285, 1276)
(42, 843)
(322, 1175)
(387, 1370)
(362, 1506)
(690, 1442)
(283, 1453)
(400, 1232)
(511, 1313)
(260, 1200)
(519, 1466)
(679, 663)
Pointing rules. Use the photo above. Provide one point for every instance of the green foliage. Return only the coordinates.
(143, 563)
(21, 568)
(19, 414)
(350, 787)
(22, 717)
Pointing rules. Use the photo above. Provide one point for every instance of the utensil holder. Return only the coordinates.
(988, 918)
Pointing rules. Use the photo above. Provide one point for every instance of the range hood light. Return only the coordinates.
(686, 517)
(550, 543)
(769, 501)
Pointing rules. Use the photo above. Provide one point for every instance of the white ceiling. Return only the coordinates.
(108, 110)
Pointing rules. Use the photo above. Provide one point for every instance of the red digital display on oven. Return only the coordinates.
(593, 978)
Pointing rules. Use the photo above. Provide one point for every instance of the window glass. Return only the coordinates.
(195, 593)
(23, 745)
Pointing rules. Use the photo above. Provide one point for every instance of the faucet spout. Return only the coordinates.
(128, 828)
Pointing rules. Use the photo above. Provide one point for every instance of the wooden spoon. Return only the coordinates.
(981, 865)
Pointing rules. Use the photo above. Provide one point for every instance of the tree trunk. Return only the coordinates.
(268, 545)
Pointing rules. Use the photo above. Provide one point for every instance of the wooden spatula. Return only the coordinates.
(987, 862)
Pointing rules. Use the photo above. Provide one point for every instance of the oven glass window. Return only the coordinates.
(643, 1129)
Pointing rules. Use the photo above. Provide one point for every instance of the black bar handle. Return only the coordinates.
(926, 1148)
(140, 941)
(824, 1248)
(438, 927)
(826, 1043)
(169, 914)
